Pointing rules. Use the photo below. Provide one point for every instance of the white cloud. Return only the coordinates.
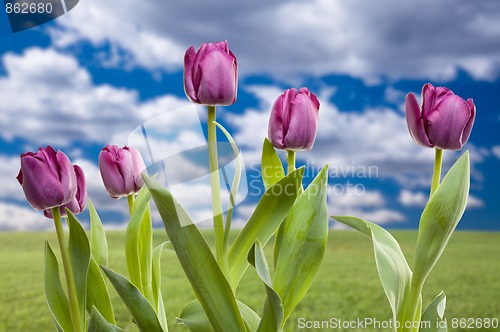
(120, 23)
(362, 203)
(419, 199)
(496, 151)
(409, 198)
(9, 168)
(378, 216)
(60, 104)
(349, 197)
(475, 202)
(17, 218)
(285, 38)
(395, 96)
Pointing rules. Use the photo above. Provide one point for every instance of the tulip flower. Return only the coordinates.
(121, 170)
(444, 121)
(48, 179)
(211, 74)
(79, 203)
(294, 120)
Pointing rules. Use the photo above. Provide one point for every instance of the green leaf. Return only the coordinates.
(97, 292)
(434, 315)
(161, 314)
(98, 243)
(79, 253)
(138, 306)
(440, 218)
(271, 166)
(265, 220)
(393, 270)
(54, 292)
(196, 258)
(146, 255)
(195, 319)
(272, 318)
(167, 246)
(160, 309)
(239, 161)
(250, 318)
(132, 238)
(98, 323)
(234, 185)
(303, 243)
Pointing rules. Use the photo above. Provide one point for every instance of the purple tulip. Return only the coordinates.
(48, 178)
(121, 170)
(294, 120)
(444, 121)
(211, 74)
(79, 203)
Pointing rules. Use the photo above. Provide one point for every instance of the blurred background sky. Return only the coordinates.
(92, 76)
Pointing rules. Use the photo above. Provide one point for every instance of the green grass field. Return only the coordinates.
(347, 286)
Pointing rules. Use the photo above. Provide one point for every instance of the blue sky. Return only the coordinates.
(92, 76)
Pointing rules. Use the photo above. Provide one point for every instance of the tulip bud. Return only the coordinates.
(121, 170)
(47, 178)
(444, 121)
(79, 203)
(211, 74)
(294, 120)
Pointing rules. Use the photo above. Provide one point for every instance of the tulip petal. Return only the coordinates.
(468, 126)
(432, 97)
(124, 163)
(41, 187)
(414, 120)
(110, 173)
(81, 193)
(303, 123)
(218, 80)
(19, 177)
(276, 130)
(446, 124)
(120, 170)
(138, 167)
(440, 94)
(47, 178)
(49, 157)
(312, 96)
(189, 87)
(427, 100)
(67, 177)
(288, 96)
(79, 203)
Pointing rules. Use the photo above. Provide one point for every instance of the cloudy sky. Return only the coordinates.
(96, 74)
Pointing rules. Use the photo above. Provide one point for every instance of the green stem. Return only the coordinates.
(215, 189)
(411, 306)
(131, 201)
(227, 228)
(290, 158)
(68, 273)
(436, 176)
